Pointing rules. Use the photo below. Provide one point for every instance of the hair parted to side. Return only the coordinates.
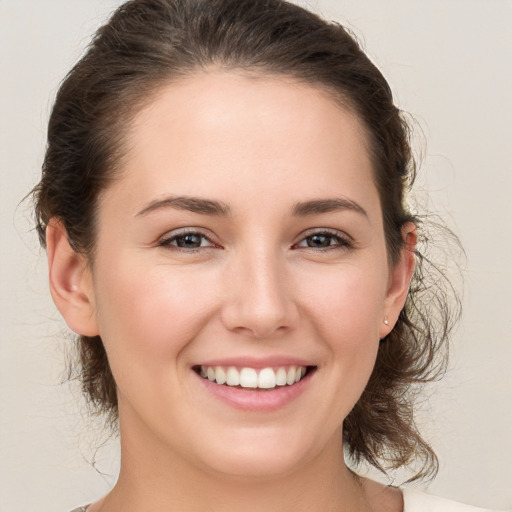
(148, 44)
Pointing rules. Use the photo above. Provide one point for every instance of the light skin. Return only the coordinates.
(245, 224)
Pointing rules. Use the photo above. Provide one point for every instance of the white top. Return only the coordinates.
(416, 501)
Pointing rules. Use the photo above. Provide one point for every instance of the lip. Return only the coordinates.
(256, 363)
(252, 400)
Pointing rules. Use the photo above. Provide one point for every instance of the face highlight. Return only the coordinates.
(241, 278)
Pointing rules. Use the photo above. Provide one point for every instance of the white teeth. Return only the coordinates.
(232, 377)
(281, 377)
(290, 376)
(248, 378)
(220, 375)
(266, 378)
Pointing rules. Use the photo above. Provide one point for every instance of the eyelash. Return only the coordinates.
(341, 240)
(168, 241)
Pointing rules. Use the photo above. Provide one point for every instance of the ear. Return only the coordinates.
(70, 281)
(399, 280)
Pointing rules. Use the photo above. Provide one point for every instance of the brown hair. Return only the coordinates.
(149, 43)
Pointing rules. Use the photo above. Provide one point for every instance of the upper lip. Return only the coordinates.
(256, 362)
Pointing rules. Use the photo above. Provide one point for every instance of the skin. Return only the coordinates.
(257, 286)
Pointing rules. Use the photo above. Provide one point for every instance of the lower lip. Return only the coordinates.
(250, 399)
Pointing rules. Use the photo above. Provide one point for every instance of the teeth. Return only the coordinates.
(220, 375)
(232, 377)
(281, 377)
(266, 378)
(248, 378)
(290, 376)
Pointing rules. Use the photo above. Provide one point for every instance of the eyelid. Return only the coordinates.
(169, 236)
(346, 240)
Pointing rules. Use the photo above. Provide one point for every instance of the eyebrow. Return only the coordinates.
(318, 206)
(191, 204)
(218, 208)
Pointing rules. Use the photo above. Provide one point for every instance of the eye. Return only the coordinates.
(187, 241)
(324, 240)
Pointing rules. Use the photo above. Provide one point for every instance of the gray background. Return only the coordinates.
(450, 66)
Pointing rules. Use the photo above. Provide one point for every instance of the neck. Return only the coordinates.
(154, 478)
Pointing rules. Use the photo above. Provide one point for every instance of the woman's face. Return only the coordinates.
(243, 241)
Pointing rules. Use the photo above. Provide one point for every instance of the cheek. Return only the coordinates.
(150, 312)
(348, 300)
(347, 306)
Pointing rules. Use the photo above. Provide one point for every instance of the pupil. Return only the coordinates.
(320, 241)
(189, 241)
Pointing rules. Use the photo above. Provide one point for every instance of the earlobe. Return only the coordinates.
(70, 281)
(400, 279)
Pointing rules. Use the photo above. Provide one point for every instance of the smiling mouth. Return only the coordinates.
(252, 378)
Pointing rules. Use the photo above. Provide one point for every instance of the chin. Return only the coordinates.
(259, 457)
(256, 468)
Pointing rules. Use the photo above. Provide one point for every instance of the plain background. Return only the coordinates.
(449, 63)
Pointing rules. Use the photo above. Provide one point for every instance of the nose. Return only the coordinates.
(259, 296)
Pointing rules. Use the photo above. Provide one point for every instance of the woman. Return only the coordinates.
(222, 203)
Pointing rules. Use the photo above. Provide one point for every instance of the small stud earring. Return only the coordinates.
(386, 321)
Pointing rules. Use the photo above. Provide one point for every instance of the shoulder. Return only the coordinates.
(416, 501)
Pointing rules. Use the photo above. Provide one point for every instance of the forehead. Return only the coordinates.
(224, 129)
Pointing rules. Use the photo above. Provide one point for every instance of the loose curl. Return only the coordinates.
(148, 44)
